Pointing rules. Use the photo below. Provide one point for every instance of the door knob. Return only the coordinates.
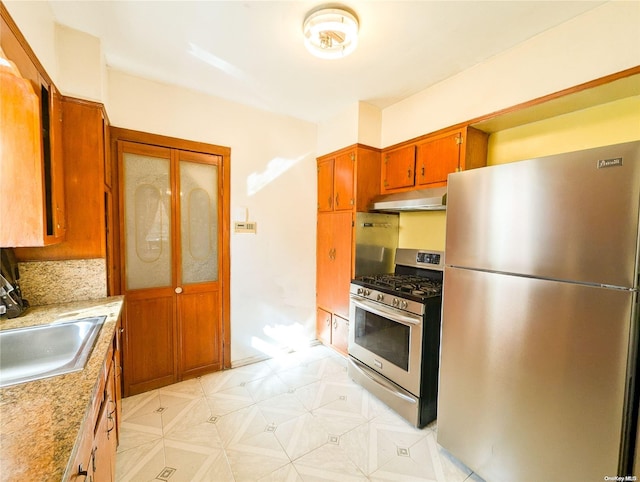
(178, 290)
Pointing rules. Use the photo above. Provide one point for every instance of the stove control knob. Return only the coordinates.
(360, 291)
(404, 304)
(367, 292)
(396, 302)
(380, 297)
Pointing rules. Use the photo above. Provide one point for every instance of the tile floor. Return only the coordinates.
(294, 418)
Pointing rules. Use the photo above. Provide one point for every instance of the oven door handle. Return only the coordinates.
(383, 383)
(394, 315)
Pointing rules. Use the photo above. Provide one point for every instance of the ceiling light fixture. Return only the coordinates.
(331, 32)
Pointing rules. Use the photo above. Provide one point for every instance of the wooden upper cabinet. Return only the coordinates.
(436, 158)
(398, 168)
(348, 179)
(336, 182)
(32, 194)
(82, 144)
(428, 160)
(343, 175)
(325, 185)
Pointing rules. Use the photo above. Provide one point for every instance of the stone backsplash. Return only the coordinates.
(50, 282)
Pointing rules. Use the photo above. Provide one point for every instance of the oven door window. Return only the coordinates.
(383, 337)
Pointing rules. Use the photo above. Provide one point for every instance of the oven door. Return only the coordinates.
(387, 340)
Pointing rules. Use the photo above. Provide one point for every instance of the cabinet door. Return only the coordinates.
(57, 166)
(22, 194)
(343, 184)
(324, 261)
(101, 453)
(323, 326)
(112, 418)
(325, 185)
(340, 334)
(334, 261)
(398, 168)
(340, 276)
(436, 158)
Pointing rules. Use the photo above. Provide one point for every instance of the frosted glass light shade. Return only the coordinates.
(331, 33)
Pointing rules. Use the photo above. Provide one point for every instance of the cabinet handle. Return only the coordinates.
(422, 171)
(337, 199)
(330, 201)
(82, 472)
(328, 320)
(109, 430)
(178, 290)
(408, 172)
(93, 458)
(335, 325)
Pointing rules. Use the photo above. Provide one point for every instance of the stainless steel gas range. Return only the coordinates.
(394, 334)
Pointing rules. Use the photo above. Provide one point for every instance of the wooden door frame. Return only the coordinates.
(121, 134)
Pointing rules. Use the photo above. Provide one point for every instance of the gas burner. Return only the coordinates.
(402, 284)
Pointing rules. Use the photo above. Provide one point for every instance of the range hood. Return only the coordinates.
(434, 199)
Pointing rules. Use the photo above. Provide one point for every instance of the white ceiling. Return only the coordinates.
(252, 52)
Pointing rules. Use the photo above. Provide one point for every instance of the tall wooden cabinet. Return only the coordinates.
(347, 181)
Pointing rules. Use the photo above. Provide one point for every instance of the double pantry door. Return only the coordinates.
(171, 248)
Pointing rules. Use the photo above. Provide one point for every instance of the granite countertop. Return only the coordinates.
(40, 420)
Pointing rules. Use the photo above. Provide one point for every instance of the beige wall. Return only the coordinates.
(81, 63)
(598, 43)
(35, 20)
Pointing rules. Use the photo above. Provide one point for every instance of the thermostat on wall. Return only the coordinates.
(244, 227)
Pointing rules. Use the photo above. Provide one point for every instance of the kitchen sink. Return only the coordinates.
(28, 354)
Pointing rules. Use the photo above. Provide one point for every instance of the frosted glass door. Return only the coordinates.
(199, 222)
(147, 212)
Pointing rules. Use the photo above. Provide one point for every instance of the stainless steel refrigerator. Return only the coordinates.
(540, 317)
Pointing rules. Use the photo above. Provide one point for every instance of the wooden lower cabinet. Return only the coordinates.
(95, 457)
(323, 326)
(332, 330)
(340, 334)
